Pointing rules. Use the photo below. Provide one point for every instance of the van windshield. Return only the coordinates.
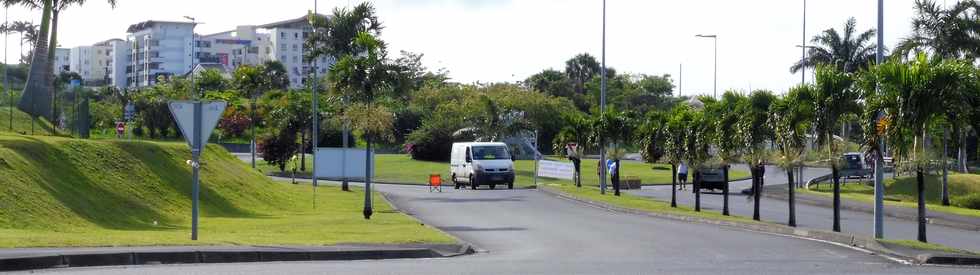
(490, 152)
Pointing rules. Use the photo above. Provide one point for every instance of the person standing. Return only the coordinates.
(682, 175)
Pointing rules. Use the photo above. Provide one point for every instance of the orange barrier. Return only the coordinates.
(435, 182)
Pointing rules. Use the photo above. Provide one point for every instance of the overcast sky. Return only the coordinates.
(503, 40)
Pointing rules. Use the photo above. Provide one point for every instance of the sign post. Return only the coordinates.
(196, 121)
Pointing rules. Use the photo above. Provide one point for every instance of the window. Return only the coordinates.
(282, 34)
(295, 47)
(283, 58)
(295, 59)
(296, 35)
(490, 152)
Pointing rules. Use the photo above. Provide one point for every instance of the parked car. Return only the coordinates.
(713, 179)
(481, 163)
(853, 165)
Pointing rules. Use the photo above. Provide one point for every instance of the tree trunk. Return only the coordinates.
(945, 169)
(252, 125)
(367, 182)
(697, 191)
(724, 210)
(836, 174)
(52, 48)
(673, 185)
(920, 186)
(756, 192)
(792, 197)
(302, 150)
(37, 89)
(615, 178)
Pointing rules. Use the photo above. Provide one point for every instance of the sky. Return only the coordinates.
(509, 40)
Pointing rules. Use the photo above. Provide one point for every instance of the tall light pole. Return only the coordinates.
(879, 226)
(196, 92)
(602, 107)
(316, 117)
(6, 66)
(803, 46)
(715, 38)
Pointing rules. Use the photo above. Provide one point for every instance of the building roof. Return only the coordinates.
(284, 23)
(150, 23)
(211, 66)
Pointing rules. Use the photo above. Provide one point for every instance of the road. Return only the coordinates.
(854, 222)
(530, 232)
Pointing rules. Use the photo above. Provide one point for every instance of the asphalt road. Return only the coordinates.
(854, 222)
(529, 232)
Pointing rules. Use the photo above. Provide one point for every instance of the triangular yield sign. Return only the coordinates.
(183, 112)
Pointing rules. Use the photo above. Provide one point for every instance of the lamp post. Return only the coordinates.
(195, 92)
(602, 106)
(715, 39)
(879, 165)
(316, 117)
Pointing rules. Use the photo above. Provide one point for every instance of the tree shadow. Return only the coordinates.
(81, 194)
(178, 178)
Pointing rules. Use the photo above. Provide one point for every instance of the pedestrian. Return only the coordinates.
(682, 174)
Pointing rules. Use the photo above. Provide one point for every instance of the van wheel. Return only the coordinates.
(493, 186)
(455, 182)
(473, 184)
(510, 185)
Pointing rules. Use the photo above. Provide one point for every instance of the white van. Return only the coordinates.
(481, 163)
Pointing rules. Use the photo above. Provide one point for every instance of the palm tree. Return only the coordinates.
(757, 133)
(336, 38)
(674, 149)
(616, 128)
(790, 118)
(834, 98)
(849, 52)
(249, 81)
(580, 69)
(952, 32)
(366, 75)
(28, 33)
(729, 142)
(697, 141)
(946, 32)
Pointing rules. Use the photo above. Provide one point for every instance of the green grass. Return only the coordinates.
(627, 200)
(902, 192)
(917, 245)
(67, 192)
(403, 169)
(22, 123)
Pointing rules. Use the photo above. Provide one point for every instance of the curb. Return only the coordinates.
(869, 209)
(256, 254)
(778, 229)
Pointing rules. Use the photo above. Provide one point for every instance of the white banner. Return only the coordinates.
(556, 169)
(330, 163)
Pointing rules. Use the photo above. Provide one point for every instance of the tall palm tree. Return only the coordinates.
(729, 142)
(674, 149)
(757, 133)
(790, 118)
(834, 98)
(580, 69)
(28, 33)
(849, 51)
(952, 32)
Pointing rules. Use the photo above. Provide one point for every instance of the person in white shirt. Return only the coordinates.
(682, 174)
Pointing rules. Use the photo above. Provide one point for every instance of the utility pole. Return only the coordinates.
(602, 107)
(680, 81)
(316, 117)
(6, 82)
(879, 165)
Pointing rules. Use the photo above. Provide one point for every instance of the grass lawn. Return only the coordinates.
(22, 123)
(627, 200)
(398, 168)
(68, 192)
(963, 189)
(913, 244)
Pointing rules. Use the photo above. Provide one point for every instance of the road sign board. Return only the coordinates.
(129, 111)
(183, 112)
(556, 170)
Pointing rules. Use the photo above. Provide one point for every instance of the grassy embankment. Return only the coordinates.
(67, 192)
(22, 123)
(403, 169)
(964, 192)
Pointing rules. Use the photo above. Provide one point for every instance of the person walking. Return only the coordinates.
(682, 175)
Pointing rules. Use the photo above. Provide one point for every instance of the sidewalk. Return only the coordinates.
(37, 258)
(780, 192)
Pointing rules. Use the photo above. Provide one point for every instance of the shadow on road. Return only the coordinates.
(477, 229)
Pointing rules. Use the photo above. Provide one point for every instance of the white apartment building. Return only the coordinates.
(158, 49)
(253, 45)
(94, 63)
(62, 57)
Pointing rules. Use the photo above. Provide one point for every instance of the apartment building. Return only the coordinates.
(94, 63)
(62, 59)
(158, 49)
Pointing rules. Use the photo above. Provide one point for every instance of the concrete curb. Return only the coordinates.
(227, 255)
(838, 238)
(867, 208)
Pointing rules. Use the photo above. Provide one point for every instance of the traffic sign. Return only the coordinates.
(196, 120)
(129, 111)
(183, 112)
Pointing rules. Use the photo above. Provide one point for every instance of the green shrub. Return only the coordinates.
(430, 142)
(971, 201)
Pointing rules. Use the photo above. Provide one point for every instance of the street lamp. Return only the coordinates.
(879, 166)
(602, 107)
(715, 38)
(193, 55)
(804, 48)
